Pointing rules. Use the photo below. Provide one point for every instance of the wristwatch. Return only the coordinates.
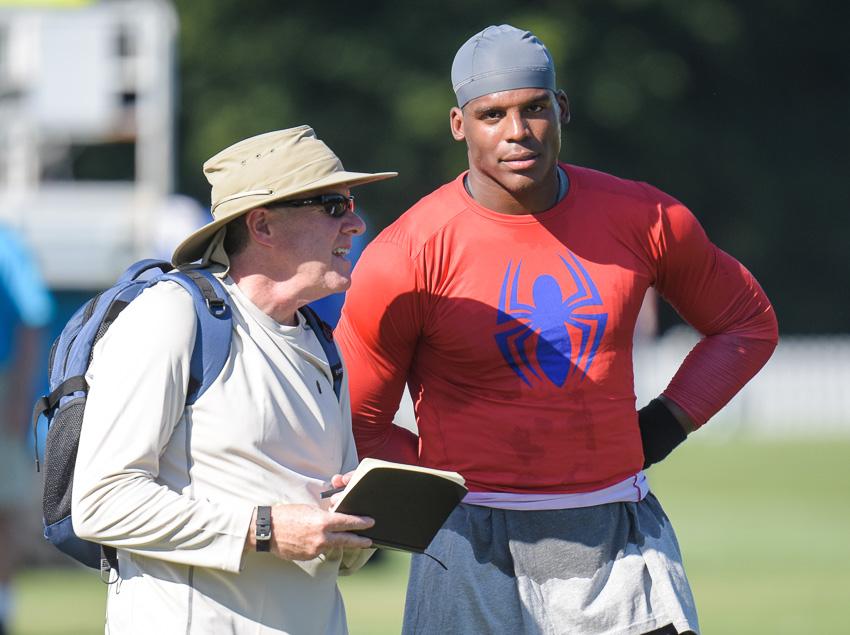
(263, 532)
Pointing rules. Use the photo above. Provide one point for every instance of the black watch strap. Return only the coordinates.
(263, 533)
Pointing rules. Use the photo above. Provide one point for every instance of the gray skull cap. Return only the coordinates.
(501, 58)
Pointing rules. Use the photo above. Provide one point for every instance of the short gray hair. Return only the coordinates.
(236, 235)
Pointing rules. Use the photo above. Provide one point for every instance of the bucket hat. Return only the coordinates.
(263, 169)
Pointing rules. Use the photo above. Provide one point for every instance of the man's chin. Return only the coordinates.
(337, 282)
(518, 183)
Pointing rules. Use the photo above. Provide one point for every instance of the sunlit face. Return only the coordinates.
(513, 139)
(313, 247)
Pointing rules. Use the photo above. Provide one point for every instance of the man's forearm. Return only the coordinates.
(682, 417)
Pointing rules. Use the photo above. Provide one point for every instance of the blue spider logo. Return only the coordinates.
(552, 318)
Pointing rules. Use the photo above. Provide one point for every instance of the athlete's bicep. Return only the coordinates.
(709, 288)
(378, 333)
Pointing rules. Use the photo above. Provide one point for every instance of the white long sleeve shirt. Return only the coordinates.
(174, 487)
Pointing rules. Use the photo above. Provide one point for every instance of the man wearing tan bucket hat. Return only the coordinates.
(190, 494)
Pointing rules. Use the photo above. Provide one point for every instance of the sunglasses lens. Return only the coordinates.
(337, 207)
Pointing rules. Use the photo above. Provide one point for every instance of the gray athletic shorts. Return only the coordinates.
(612, 569)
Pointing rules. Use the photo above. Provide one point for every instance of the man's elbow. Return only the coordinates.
(774, 327)
(393, 444)
(762, 329)
(770, 332)
(761, 341)
(82, 522)
(82, 519)
(87, 516)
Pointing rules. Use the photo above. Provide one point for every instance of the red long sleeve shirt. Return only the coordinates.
(515, 332)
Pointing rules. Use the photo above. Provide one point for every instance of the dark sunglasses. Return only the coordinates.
(335, 205)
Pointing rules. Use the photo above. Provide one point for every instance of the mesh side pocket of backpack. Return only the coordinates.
(60, 455)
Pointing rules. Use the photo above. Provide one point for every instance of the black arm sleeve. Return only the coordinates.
(660, 432)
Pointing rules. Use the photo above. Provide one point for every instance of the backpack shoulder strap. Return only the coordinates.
(326, 339)
(214, 322)
(135, 271)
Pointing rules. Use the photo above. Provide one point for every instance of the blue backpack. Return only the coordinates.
(69, 360)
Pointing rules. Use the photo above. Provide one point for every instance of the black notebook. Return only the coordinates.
(409, 503)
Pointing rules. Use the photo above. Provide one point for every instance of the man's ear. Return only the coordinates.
(456, 124)
(259, 228)
(564, 105)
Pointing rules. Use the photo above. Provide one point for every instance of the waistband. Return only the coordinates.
(629, 490)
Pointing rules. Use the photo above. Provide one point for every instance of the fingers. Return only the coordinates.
(341, 480)
(347, 522)
(302, 532)
(335, 501)
(326, 541)
(345, 540)
(338, 481)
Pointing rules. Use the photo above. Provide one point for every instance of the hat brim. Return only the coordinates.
(193, 246)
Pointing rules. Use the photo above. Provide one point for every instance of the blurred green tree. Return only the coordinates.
(738, 109)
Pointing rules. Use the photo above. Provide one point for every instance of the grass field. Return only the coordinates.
(764, 528)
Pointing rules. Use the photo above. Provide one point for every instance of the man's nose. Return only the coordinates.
(517, 125)
(353, 224)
